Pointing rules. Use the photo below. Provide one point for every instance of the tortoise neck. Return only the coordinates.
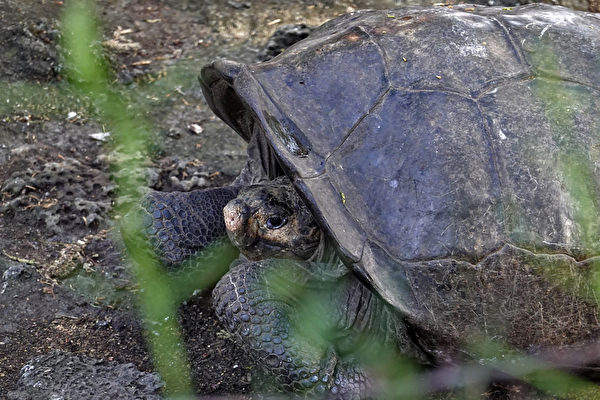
(364, 312)
(369, 325)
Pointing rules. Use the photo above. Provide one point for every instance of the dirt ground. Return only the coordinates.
(66, 296)
(65, 289)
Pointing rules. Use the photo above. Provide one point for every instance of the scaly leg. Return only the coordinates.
(180, 224)
(266, 305)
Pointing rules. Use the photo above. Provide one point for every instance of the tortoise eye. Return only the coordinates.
(276, 222)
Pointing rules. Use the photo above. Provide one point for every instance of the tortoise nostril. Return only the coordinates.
(233, 214)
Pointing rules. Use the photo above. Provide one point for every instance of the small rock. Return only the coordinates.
(173, 133)
(188, 184)
(102, 323)
(100, 136)
(284, 37)
(152, 176)
(195, 128)
(239, 4)
(14, 186)
(15, 272)
(17, 151)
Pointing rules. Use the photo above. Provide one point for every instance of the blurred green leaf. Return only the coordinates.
(90, 74)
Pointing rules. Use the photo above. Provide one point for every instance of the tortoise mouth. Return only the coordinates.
(257, 249)
(306, 252)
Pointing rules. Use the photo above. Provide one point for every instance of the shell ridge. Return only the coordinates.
(377, 103)
(305, 187)
(448, 91)
(497, 183)
(265, 116)
(506, 244)
(561, 78)
(521, 77)
(381, 50)
(221, 73)
(493, 84)
(517, 50)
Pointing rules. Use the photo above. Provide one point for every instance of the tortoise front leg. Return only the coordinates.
(180, 224)
(264, 303)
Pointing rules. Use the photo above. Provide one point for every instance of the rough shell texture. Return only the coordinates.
(453, 155)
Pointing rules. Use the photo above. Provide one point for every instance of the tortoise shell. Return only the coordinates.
(453, 155)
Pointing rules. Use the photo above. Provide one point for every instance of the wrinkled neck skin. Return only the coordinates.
(368, 323)
(261, 165)
(360, 320)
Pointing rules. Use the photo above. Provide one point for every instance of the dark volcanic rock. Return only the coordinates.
(284, 37)
(61, 195)
(29, 51)
(60, 375)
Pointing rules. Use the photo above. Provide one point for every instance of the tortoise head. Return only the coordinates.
(271, 220)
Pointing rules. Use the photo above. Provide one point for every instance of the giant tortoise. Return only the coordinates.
(443, 169)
